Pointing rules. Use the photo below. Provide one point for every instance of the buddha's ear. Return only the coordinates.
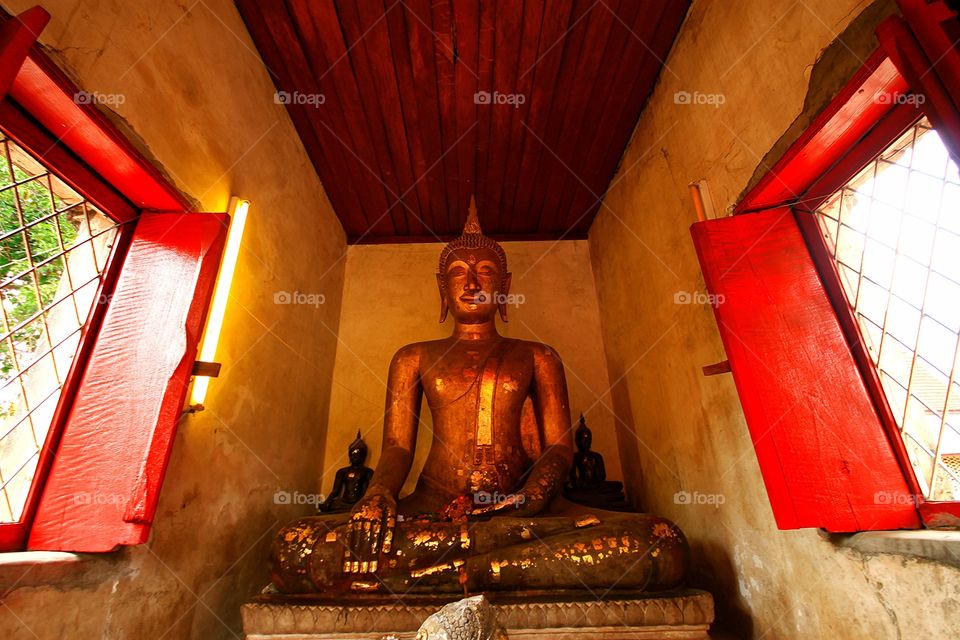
(505, 286)
(443, 299)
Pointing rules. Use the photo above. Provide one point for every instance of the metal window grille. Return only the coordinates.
(54, 246)
(894, 233)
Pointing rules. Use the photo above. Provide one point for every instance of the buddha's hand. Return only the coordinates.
(369, 532)
(522, 504)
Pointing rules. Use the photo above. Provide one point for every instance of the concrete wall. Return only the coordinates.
(390, 299)
(198, 99)
(752, 61)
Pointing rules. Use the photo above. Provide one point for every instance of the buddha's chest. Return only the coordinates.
(478, 382)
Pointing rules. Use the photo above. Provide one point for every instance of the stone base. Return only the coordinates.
(678, 615)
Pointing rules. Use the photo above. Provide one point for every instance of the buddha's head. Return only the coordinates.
(473, 277)
(583, 436)
(357, 451)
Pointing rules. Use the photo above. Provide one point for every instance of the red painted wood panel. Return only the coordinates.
(21, 129)
(105, 479)
(40, 88)
(937, 29)
(823, 452)
(857, 108)
(926, 79)
(401, 81)
(17, 35)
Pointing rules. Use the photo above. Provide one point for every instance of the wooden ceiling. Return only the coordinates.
(392, 99)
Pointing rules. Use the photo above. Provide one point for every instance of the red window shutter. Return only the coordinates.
(17, 35)
(930, 32)
(104, 483)
(822, 449)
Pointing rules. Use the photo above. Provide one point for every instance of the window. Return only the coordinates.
(840, 273)
(893, 232)
(105, 279)
(54, 247)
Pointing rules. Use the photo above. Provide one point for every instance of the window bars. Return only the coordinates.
(54, 246)
(894, 234)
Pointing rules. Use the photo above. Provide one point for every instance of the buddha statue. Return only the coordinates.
(588, 482)
(351, 482)
(487, 512)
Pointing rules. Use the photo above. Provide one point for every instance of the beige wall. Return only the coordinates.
(769, 583)
(200, 101)
(390, 299)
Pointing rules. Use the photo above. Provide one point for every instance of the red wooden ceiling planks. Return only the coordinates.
(549, 56)
(414, 122)
(270, 24)
(366, 29)
(400, 118)
(424, 82)
(507, 45)
(353, 57)
(604, 163)
(328, 56)
(609, 96)
(487, 41)
(586, 104)
(457, 177)
(533, 20)
(587, 19)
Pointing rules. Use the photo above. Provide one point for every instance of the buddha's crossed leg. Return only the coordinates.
(601, 551)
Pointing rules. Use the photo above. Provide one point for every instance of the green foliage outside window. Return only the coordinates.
(19, 290)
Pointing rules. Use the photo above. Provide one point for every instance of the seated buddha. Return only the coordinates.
(351, 482)
(588, 482)
(487, 512)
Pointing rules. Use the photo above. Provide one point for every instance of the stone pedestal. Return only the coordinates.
(680, 615)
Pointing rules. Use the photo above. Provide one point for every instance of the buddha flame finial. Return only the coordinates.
(472, 225)
(472, 238)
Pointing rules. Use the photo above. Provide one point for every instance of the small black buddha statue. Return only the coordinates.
(351, 482)
(588, 482)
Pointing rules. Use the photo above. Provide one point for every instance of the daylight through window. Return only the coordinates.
(894, 233)
(53, 247)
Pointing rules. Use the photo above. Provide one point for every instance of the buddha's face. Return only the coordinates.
(584, 440)
(357, 455)
(473, 284)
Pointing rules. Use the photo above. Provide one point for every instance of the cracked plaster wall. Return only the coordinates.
(197, 99)
(771, 584)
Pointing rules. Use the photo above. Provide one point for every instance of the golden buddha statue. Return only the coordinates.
(487, 512)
